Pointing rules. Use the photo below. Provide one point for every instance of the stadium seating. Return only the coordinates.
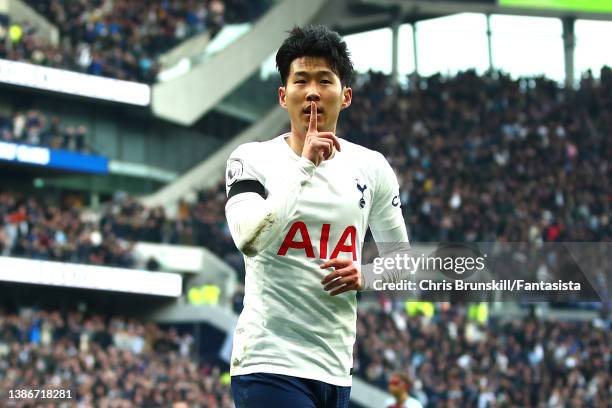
(479, 158)
(34, 128)
(461, 159)
(122, 39)
(527, 362)
(35, 228)
(518, 165)
(521, 362)
(491, 158)
(467, 152)
(105, 361)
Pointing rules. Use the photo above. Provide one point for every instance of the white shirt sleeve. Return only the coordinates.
(390, 243)
(387, 226)
(386, 212)
(254, 221)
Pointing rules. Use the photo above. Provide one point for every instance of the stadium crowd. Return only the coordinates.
(44, 228)
(116, 361)
(105, 362)
(194, 224)
(119, 38)
(201, 223)
(491, 159)
(37, 228)
(484, 158)
(479, 158)
(33, 127)
(516, 363)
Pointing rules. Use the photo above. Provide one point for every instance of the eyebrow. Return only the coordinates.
(322, 72)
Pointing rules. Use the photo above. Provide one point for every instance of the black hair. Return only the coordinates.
(315, 41)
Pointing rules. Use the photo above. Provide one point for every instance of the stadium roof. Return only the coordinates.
(354, 16)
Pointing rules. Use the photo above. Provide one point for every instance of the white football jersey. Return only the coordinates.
(289, 324)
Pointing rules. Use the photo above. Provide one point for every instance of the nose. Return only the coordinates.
(313, 94)
(313, 97)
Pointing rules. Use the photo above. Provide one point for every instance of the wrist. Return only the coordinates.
(306, 165)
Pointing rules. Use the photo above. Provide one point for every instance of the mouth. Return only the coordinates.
(306, 110)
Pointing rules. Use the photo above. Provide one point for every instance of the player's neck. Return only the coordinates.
(296, 142)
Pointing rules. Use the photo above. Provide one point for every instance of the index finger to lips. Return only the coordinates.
(312, 125)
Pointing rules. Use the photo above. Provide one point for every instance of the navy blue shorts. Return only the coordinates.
(263, 390)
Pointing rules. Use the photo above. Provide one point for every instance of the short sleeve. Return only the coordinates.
(386, 212)
(242, 165)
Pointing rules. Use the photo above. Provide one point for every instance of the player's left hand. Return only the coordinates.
(345, 277)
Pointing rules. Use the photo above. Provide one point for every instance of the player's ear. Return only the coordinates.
(347, 97)
(282, 96)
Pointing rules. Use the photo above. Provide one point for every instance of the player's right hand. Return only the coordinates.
(318, 146)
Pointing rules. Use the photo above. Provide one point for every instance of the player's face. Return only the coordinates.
(396, 386)
(312, 79)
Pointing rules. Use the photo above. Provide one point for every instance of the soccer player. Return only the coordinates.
(399, 386)
(298, 209)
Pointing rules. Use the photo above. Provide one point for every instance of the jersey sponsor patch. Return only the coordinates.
(235, 168)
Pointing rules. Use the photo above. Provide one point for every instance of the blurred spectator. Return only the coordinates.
(32, 127)
(399, 387)
(152, 265)
(4, 25)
